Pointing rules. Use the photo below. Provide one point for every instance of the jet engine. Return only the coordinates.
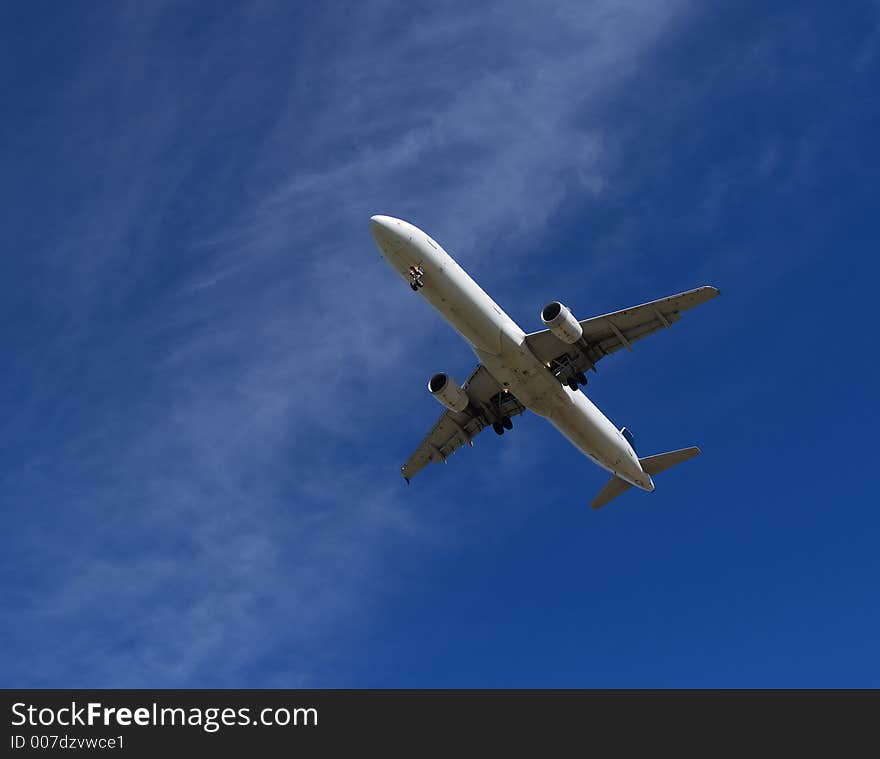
(446, 390)
(561, 323)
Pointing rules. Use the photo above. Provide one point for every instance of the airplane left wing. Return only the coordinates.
(488, 403)
(603, 335)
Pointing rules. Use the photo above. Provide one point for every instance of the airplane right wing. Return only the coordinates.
(488, 402)
(608, 333)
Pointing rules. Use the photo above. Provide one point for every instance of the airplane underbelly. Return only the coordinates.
(572, 413)
(595, 436)
(528, 379)
(472, 316)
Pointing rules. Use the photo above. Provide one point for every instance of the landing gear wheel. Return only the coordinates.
(581, 378)
(506, 423)
(572, 383)
(499, 430)
(415, 277)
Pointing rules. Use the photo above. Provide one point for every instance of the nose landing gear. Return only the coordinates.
(415, 277)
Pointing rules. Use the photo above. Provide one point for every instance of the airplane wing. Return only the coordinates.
(488, 403)
(606, 334)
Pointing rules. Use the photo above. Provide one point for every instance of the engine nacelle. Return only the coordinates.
(561, 323)
(447, 391)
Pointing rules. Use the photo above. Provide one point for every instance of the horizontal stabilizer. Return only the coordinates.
(613, 488)
(663, 461)
(651, 465)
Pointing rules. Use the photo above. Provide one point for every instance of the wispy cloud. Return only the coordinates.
(217, 490)
(476, 122)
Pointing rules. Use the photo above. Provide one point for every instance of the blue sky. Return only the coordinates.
(211, 377)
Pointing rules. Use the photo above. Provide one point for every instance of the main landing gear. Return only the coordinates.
(504, 424)
(415, 277)
(578, 379)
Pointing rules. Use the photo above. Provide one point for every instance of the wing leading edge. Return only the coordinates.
(488, 402)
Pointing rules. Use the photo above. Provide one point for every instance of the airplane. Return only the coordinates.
(540, 371)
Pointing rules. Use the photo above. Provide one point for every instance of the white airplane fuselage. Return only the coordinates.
(501, 347)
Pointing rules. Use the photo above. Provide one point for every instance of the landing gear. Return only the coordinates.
(504, 424)
(575, 380)
(415, 277)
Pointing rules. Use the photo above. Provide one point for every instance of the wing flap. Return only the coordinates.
(451, 431)
(640, 321)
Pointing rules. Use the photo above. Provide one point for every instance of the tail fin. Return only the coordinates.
(651, 465)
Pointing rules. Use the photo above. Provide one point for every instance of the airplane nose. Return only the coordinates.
(383, 229)
(381, 223)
